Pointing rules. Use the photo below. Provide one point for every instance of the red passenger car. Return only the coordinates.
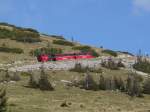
(60, 57)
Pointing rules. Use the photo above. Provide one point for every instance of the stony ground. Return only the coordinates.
(63, 65)
(60, 65)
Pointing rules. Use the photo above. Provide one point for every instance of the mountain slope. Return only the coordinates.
(29, 39)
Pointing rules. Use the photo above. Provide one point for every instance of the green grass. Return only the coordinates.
(22, 99)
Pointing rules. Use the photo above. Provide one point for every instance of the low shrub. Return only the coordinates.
(45, 50)
(11, 50)
(110, 64)
(142, 65)
(89, 83)
(7, 76)
(79, 68)
(4, 33)
(19, 34)
(94, 53)
(63, 42)
(82, 48)
(25, 74)
(57, 37)
(110, 52)
(26, 36)
(128, 53)
(86, 49)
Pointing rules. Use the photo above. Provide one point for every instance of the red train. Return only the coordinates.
(60, 57)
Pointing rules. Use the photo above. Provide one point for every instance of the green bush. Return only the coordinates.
(4, 33)
(45, 50)
(63, 42)
(110, 52)
(26, 36)
(11, 50)
(20, 34)
(94, 53)
(82, 48)
(142, 65)
(86, 49)
(58, 37)
(128, 53)
(25, 74)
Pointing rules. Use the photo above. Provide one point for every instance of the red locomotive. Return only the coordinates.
(60, 57)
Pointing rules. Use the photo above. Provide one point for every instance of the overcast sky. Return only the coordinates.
(114, 24)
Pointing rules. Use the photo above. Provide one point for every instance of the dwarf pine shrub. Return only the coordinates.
(111, 83)
(134, 85)
(44, 83)
(89, 83)
(110, 64)
(79, 68)
(15, 77)
(146, 87)
(119, 83)
(102, 85)
(34, 81)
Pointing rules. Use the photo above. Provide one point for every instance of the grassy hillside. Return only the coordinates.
(23, 99)
(23, 38)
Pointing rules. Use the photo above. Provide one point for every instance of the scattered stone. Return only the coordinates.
(64, 104)
(82, 106)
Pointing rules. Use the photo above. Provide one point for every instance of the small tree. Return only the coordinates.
(102, 85)
(33, 82)
(15, 77)
(44, 83)
(120, 64)
(112, 84)
(3, 100)
(90, 84)
(146, 87)
(108, 83)
(134, 87)
(110, 64)
(119, 83)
